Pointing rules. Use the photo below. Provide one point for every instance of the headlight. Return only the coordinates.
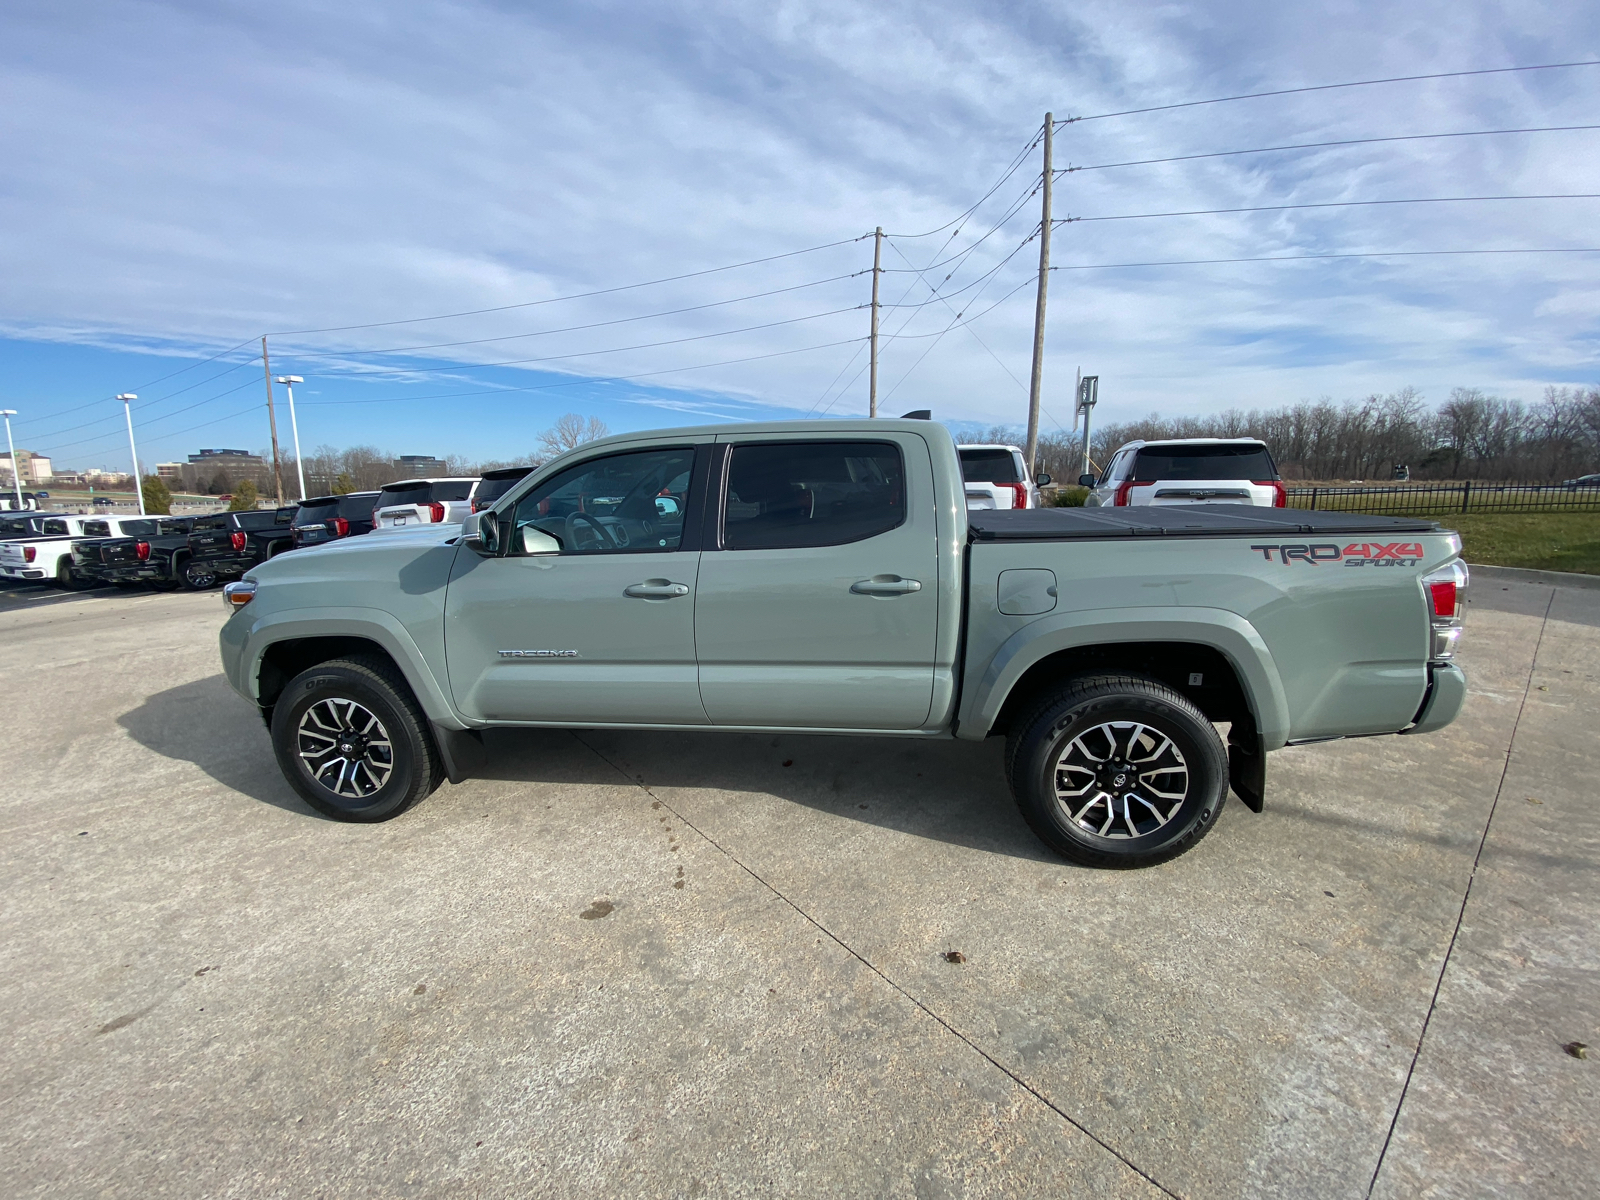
(239, 593)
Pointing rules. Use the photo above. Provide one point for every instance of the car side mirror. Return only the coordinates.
(1043, 480)
(481, 531)
(1087, 481)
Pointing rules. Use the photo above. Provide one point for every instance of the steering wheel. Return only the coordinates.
(602, 539)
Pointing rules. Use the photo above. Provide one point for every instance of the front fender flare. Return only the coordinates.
(371, 623)
(1226, 632)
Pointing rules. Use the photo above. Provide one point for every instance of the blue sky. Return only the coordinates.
(183, 178)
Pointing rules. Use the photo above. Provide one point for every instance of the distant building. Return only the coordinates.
(219, 471)
(420, 466)
(170, 473)
(35, 467)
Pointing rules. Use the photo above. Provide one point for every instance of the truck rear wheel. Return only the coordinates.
(350, 738)
(1118, 771)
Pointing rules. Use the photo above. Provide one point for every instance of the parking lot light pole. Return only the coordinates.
(16, 470)
(288, 382)
(138, 484)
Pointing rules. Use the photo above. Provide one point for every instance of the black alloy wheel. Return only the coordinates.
(352, 741)
(1118, 771)
(66, 578)
(195, 576)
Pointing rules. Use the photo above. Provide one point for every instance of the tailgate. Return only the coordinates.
(210, 542)
(11, 555)
(120, 552)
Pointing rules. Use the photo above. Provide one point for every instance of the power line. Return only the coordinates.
(579, 382)
(1409, 137)
(699, 337)
(298, 355)
(1011, 169)
(147, 423)
(1199, 262)
(145, 408)
(575, 296)
(1211, 212)
(1328, 87)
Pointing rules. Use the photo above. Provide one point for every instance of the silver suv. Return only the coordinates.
(1189, 471)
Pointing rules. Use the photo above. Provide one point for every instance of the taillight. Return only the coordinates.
(237, 539)
(1280, 494)
(374, 518)
(341, 527)
(437, 511)
(1126, 486)
(29, 553)
(142, 549)
(1447, 593)
(1020, 491)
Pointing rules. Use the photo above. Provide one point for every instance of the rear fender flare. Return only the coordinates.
(370, 623)
(1226, 632)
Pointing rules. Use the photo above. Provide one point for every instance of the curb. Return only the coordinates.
(1529, 575)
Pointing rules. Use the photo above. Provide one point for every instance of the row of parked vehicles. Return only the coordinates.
(195, 553)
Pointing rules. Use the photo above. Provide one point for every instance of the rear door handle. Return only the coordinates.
(885, 585)
(656, 589)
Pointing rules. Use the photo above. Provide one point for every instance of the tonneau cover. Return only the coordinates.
(1188, 520)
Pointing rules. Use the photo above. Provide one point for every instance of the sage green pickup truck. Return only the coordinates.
(826, 577)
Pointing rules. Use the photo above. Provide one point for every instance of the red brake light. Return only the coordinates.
(1021, 492)
(1280, 494)
(1443, 594)
(237, 539)
(1127, 486)
(341, 527)
(142, 549)
(437, 511)
(29, 552)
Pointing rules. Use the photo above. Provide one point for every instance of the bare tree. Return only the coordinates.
(568, 433)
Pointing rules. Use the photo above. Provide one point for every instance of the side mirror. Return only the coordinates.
(481, 531)
(1087, 481)
(1043, 480)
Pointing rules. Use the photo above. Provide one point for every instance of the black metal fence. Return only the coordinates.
(1404, 499)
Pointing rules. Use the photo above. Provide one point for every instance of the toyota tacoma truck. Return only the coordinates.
(827, 577)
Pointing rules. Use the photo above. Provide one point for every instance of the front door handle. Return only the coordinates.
(656, 589)
(885, 585)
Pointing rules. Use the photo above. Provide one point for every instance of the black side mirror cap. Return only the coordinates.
(1087, 481)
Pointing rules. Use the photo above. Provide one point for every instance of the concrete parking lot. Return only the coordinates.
(700, 965)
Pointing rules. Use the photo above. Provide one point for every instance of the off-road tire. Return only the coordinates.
(376, 689)
(1043, 760)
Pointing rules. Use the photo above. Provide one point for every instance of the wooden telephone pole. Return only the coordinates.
(272, 420)
(1036, 383)
(877, 269)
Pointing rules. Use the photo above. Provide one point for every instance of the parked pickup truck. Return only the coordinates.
(826, 577)
(46, 554)
(227, 544)
(151, 550)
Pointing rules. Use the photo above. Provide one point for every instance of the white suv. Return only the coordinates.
(423, 502)
(997, 477)
(1189, 471)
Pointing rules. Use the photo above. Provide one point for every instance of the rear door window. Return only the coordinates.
(452, 489)
(257, 520)
(989, 466)
(208, 524)
(1203, 462)
(54, 527)
(357, 506)
(97, 529)
(141, 529)
(784, 495)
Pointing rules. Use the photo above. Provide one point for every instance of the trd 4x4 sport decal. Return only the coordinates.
(1356, 554)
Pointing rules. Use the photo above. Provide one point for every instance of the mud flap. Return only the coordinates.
(1247, 766)
(461, 750)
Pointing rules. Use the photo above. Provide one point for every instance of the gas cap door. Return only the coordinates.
(1027, 592)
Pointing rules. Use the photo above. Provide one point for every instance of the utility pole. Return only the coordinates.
(877, 269)
(288, 382)
(127, 399)
(16, 467)
(272, 419)
(1037, 381)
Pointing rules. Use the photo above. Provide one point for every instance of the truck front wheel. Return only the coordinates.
(351, 740)
(1118, 771)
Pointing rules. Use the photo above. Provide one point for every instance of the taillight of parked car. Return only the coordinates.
(1126, 487)
(436, 511)
(1020, 491)
(142, 549)
(341, 527)
(29, 553)
(1280, 494)
(237, 539)
(1447, 597)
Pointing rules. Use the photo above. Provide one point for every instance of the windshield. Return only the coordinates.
(1246, 461)
(989, 466)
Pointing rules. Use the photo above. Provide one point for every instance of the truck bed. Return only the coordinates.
(1185, 521)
